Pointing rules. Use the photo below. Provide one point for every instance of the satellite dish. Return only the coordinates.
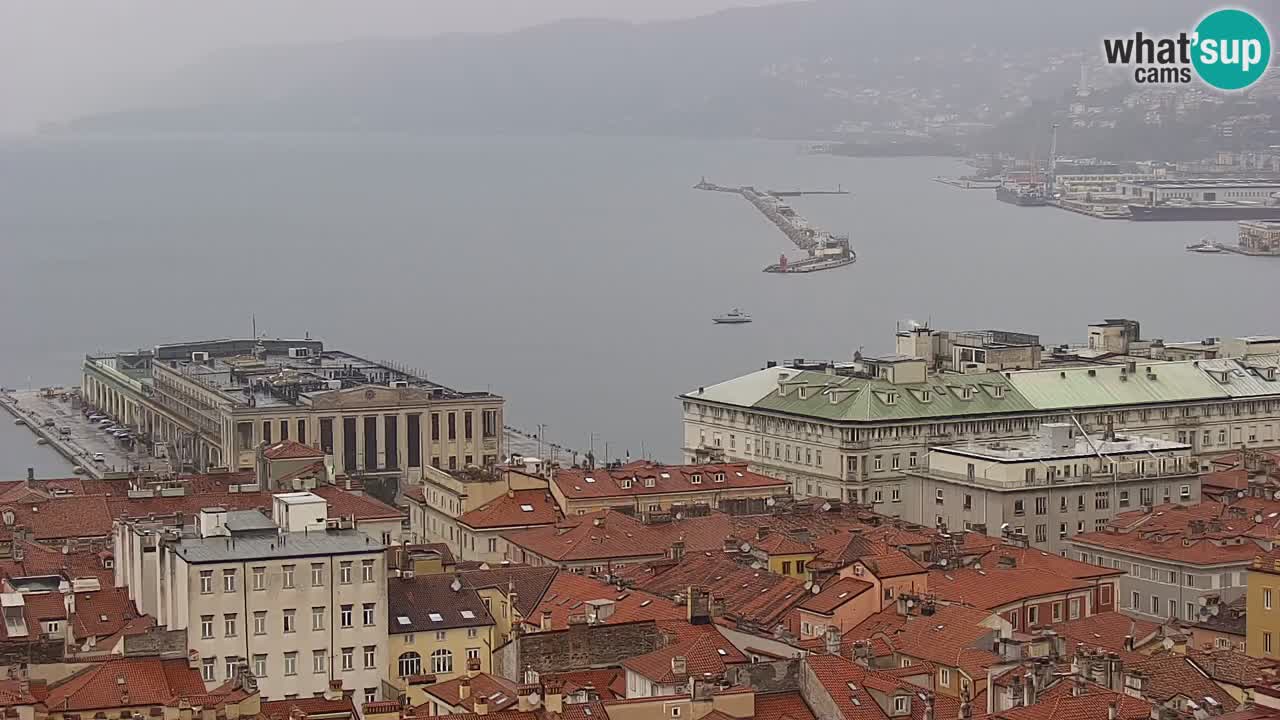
(679, 516)
(755, 566)
(826, 507)
(456, 585)
(770, 502)
(1202, 600)
(745, 547)
(911, 603)
(1275, 495)
(1167, 644)
(1004, 526)
(943, 562)
(808, 584)
(1213, 609)
(816, 589)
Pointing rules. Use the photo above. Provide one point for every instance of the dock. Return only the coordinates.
(34, 408)
(825, 250)
(967, 182)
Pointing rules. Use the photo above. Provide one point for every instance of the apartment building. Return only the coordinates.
(1182, 560)
(644, 486)
(1045, 489)
(300, 598)
(213, 402)
(845, 430)
(436, 625)
(444, 496)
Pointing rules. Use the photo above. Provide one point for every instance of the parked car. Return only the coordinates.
(99, 457)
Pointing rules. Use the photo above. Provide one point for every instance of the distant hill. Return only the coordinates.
(805, 69)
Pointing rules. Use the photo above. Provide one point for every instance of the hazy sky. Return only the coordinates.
(59, 58)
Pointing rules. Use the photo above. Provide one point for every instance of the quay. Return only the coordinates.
(968, 182)
(825, 250)
(1093, 210)
(34, 408)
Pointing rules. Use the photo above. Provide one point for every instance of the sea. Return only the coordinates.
(575, 276)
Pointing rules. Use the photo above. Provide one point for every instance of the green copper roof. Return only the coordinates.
(868, 400)
(1111, 385)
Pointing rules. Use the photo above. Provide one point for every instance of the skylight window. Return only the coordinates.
(436, 617)
(590, 479)
(467, 614)
(403, 620)
(526, 508)
(665, 476)
(645, 603)
(721, 652)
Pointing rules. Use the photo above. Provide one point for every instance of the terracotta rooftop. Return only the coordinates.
(997, 588)
(608, 683)
(782, 706)
(530, 583)
(1170, 676)
(343, 503)
(603, 535)
(1234, 668)
(704, 649)
(515, 508)
(894, 563)
(500, 692)
(952, 636)
(834, 594)
(291, 450)
(125, 682)
(850, 687)
(1060, 703)
(1208, 533)
(643, 477)
(1107, 631)
(757, 597)
(283, 709)
(569, 592)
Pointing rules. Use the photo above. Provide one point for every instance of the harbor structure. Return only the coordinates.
(853, 430)
(1260, 237)
(213, 402)
(824, 250)
(1202, 199)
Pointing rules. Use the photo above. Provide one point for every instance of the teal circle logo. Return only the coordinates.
(1232, 49)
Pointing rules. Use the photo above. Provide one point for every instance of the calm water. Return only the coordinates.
(575, 276)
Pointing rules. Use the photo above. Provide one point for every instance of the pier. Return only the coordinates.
(82, 439)
(825, 250)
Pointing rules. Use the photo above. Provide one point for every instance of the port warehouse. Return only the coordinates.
(1199, 190)
(213, 403)
(853, 431)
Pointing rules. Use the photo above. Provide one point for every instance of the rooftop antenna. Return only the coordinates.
(255, 325)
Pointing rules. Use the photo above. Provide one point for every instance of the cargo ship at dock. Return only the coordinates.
(1022, 195)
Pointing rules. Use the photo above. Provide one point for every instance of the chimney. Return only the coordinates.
(552, 697)
(677, 550)
(833, 640)
(546, 621)
(480, 706)
(464, 688)
(473, 667)
(334, 690)
(928, 706)
(862, 653)
(526, 701)
(1113, 709)
(679, 665)
(1077, 684)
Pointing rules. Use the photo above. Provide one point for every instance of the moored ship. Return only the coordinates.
(1022, 195)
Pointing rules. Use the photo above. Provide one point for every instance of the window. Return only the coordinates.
(291, 663)
(938, 496)
(912, 459)
(900, 704)
(473, 653)
(877, 496)
(1135, 602)
(1042, 533)
(441, 661)
(206, 669)
(260, 622)
(1019, 508)
(968, 501)
(944, 677)
(229, 624)
(370, 656)
(1155, 605)
(366, 570)
(410, 663)
(317, 574)
(895, 495)
(1184, 492)
(1102, 500)
(344, 572)
(786, 567)
(370, 695)
(453, 426)
(317, 618)
(1073, 606)
(877, 463)
(348, 659)
(1124, 498)
(345, 616)
(895, 463)
(318, 664)
(260, 666)
(290, 620)
(206, 627)
(1266, 598)
(286, 576)
(1057, 612)
(1042, 506)
(1266, 643)
(368, 614)
(206, 582)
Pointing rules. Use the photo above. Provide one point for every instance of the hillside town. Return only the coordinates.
(976, 526)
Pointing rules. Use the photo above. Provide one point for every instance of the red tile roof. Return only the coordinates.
(1234, 668)
(782, 706)
(500, 691)
(127, 682)
(756, 597)
(283, 709)
(781, 544)
(1106, 631)
(998, 588)
(569, 591)
(604, 535)
(1059, 703)
(12, 692)
(291, 450)
(515, 508)
(1170, 676)
(704, 649)
(849, 685)
(609, 683)
(343, 503)
(529, 583)
(835, 594)
(648, 478)
(1207, 533)
(952, 636)
(893, 564)
(102, 612)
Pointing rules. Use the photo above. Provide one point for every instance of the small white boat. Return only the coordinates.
(733, 317)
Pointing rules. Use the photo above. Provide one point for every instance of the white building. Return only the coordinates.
(299, 597)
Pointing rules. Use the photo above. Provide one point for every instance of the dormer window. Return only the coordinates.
(998, 391)
(648, 482)
(891, 398)
(803, 391)
(719, 477)
(926, 396)
(626, 484)
(695, 479)
(966, 392)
